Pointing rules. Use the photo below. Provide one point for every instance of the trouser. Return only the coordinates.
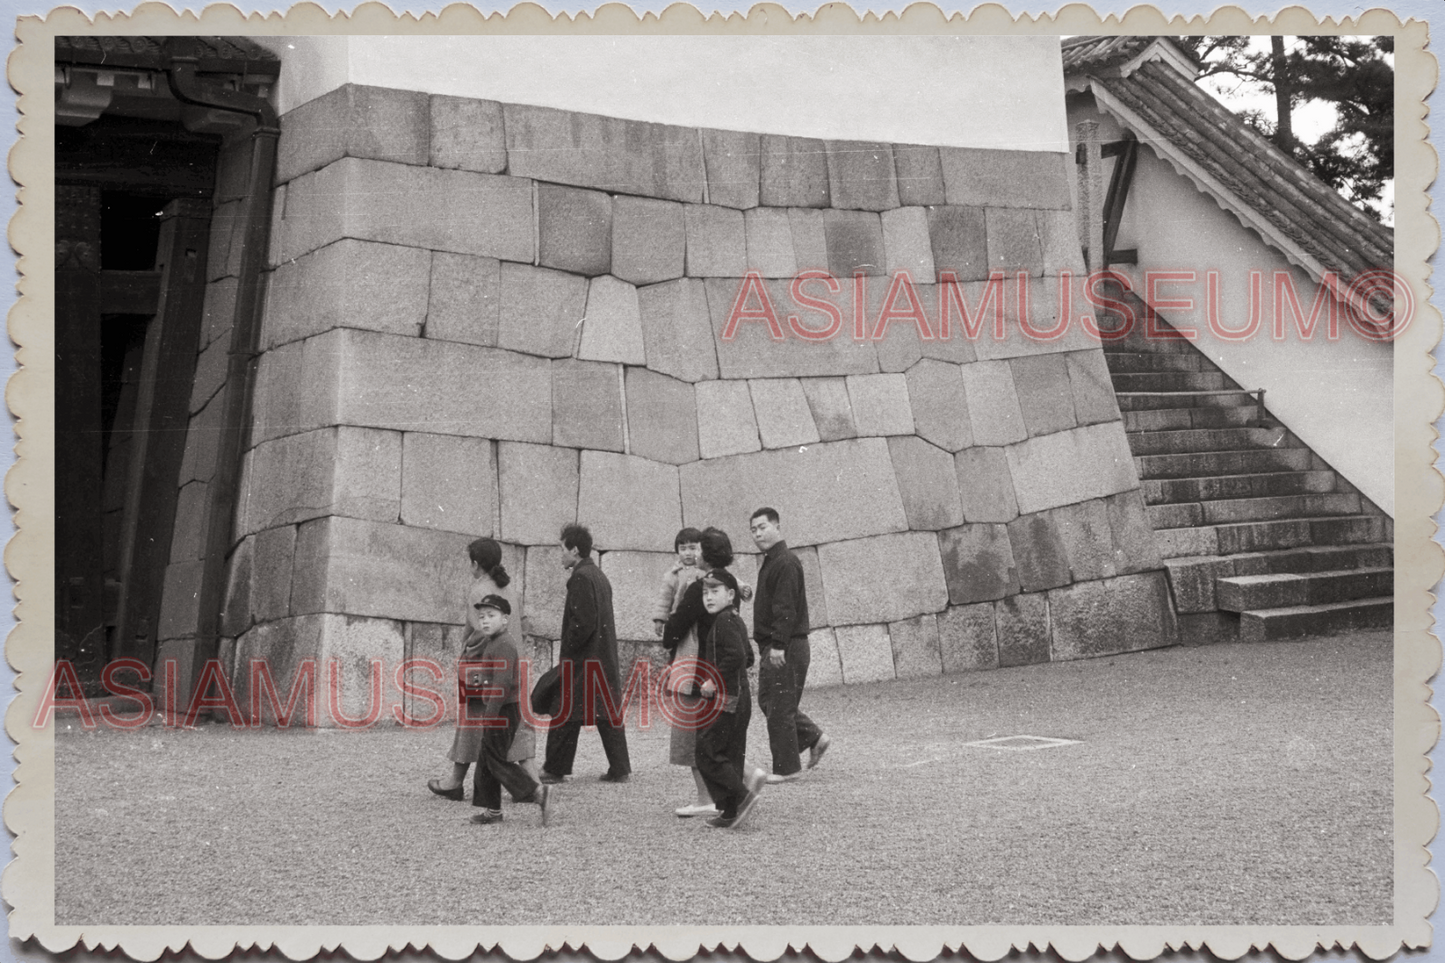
(493, 769)
(721, 748)
(790, 731)
(562, 740)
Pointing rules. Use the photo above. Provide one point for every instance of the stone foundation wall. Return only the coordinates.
(489, 319)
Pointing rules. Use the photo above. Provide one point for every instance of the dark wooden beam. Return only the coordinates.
(129, 292)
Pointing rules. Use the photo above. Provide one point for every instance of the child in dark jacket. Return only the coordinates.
(490, 687)
(721, 747)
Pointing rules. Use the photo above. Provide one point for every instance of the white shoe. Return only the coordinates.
(773, 778)
(755, 780)
(696, 809)
(815, 754)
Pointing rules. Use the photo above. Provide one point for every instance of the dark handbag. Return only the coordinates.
(547, 694)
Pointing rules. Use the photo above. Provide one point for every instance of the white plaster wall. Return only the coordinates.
(994, 92)
(1337, 396)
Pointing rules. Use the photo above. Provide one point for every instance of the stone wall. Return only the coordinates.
(489, 319)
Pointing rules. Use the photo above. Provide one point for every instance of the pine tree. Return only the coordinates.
(1353, 74)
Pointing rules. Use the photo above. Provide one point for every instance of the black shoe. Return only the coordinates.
(610, 776)
(549, 779)
(721, 822)
(452, 794)
(485, 818)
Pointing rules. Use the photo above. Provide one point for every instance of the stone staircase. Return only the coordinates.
(1261, 538)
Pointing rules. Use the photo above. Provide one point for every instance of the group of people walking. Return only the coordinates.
(698, 620)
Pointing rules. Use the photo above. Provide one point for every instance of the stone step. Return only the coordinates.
(1226, 511)
(1133, 362)
(1137, 340)
(1246, 593)
(1150, 400)
(1294, 621)
(1172, 381)
(1193, 578)
(1201, 464)
(1166, 491)
(1189, 440)
(1232, 539)
(1172, 419)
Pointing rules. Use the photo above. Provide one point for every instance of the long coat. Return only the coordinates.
(589, 628)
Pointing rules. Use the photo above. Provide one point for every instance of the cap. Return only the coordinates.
(721, 576)
(494, 602)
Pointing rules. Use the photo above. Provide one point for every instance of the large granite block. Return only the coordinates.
(1032, 322)
(442, 210)
(218, 308)
(329, 471)
(192, 521)
(916, 652)
(379, 123)
(574, 229)
(546, 589)
(940, 406)
(210, 374)
(733, 162)
(636, 579)
(993, 406)
(629, 502)
(832, 411)
(816, 491)
(812, 581)
(180, 601)
(968, 312)
(612, 330)
(448, 482)
(468, 134)
(985, 485)
(466, 299)
(1044, 395)
(866, 653)
(920, 174)
(967, 640)
(606, 153)
(435, 649)
(978, 563)
(783, 417)
(888, 577)
(273, 552)
(794, 172)
(928, 483)
(1122, 614)
(1059, 236)
(725, 421)
(538, 491)
(753, 353)
(1005, 178)
(236, 605)
(1093, 391)
(1088, 539)
(1192, 580)
(1071, 466)
(770, 242)
(226, 220)
(880, 404)
(407, 383)
(1038, 546)
(717, 242)
(824, 666)
(958, 236)
(1135, 548)
(906, 244)
(661, 417)
(861, 175)
(1014, 241)
(1022, 625)
(810, 241)
(648, 239)
(541, 310)
(677, 330)
(587, 405)
(285, 402)
(360, 567)
(351, 284)
(855, 243)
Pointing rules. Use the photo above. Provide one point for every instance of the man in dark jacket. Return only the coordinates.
(589, 643)
(780, 627)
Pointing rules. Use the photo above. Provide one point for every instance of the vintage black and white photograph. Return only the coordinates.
(683, 482)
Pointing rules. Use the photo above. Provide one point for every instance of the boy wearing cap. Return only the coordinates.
(488, 678)
(721, 747)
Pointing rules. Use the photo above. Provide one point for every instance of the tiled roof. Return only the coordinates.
(1094, 52)
(217, 54)
(1289, 207)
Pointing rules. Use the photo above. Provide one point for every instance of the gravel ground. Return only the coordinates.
(1223, 785)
